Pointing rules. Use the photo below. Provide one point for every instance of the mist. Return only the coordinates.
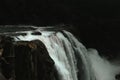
(103, 69)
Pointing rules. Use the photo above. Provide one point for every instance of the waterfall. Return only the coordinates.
(70, 56)
(72, 60)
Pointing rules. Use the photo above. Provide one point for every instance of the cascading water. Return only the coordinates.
(65, 50)
(72, 60)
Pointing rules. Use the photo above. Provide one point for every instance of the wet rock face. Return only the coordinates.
(25, 60)
(6, 57)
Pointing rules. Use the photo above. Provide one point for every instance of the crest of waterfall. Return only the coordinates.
(69, 55)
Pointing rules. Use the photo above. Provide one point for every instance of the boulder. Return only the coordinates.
(25, 60)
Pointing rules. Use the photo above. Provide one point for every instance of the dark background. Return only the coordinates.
(95, 22)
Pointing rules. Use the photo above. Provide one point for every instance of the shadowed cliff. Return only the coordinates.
(25, 60)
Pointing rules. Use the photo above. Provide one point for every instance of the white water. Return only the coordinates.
(103, 69)
(63, 49)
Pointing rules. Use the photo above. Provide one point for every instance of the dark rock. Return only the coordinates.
(7, 56)
(33, 60)
(2, 77)
(25, 60)
(117, 77)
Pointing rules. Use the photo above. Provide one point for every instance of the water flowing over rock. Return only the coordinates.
(67, 52)
(47, 54)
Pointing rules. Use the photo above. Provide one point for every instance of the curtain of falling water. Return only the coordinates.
(62, 49)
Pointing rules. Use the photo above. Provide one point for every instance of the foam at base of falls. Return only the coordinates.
(103, 69)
